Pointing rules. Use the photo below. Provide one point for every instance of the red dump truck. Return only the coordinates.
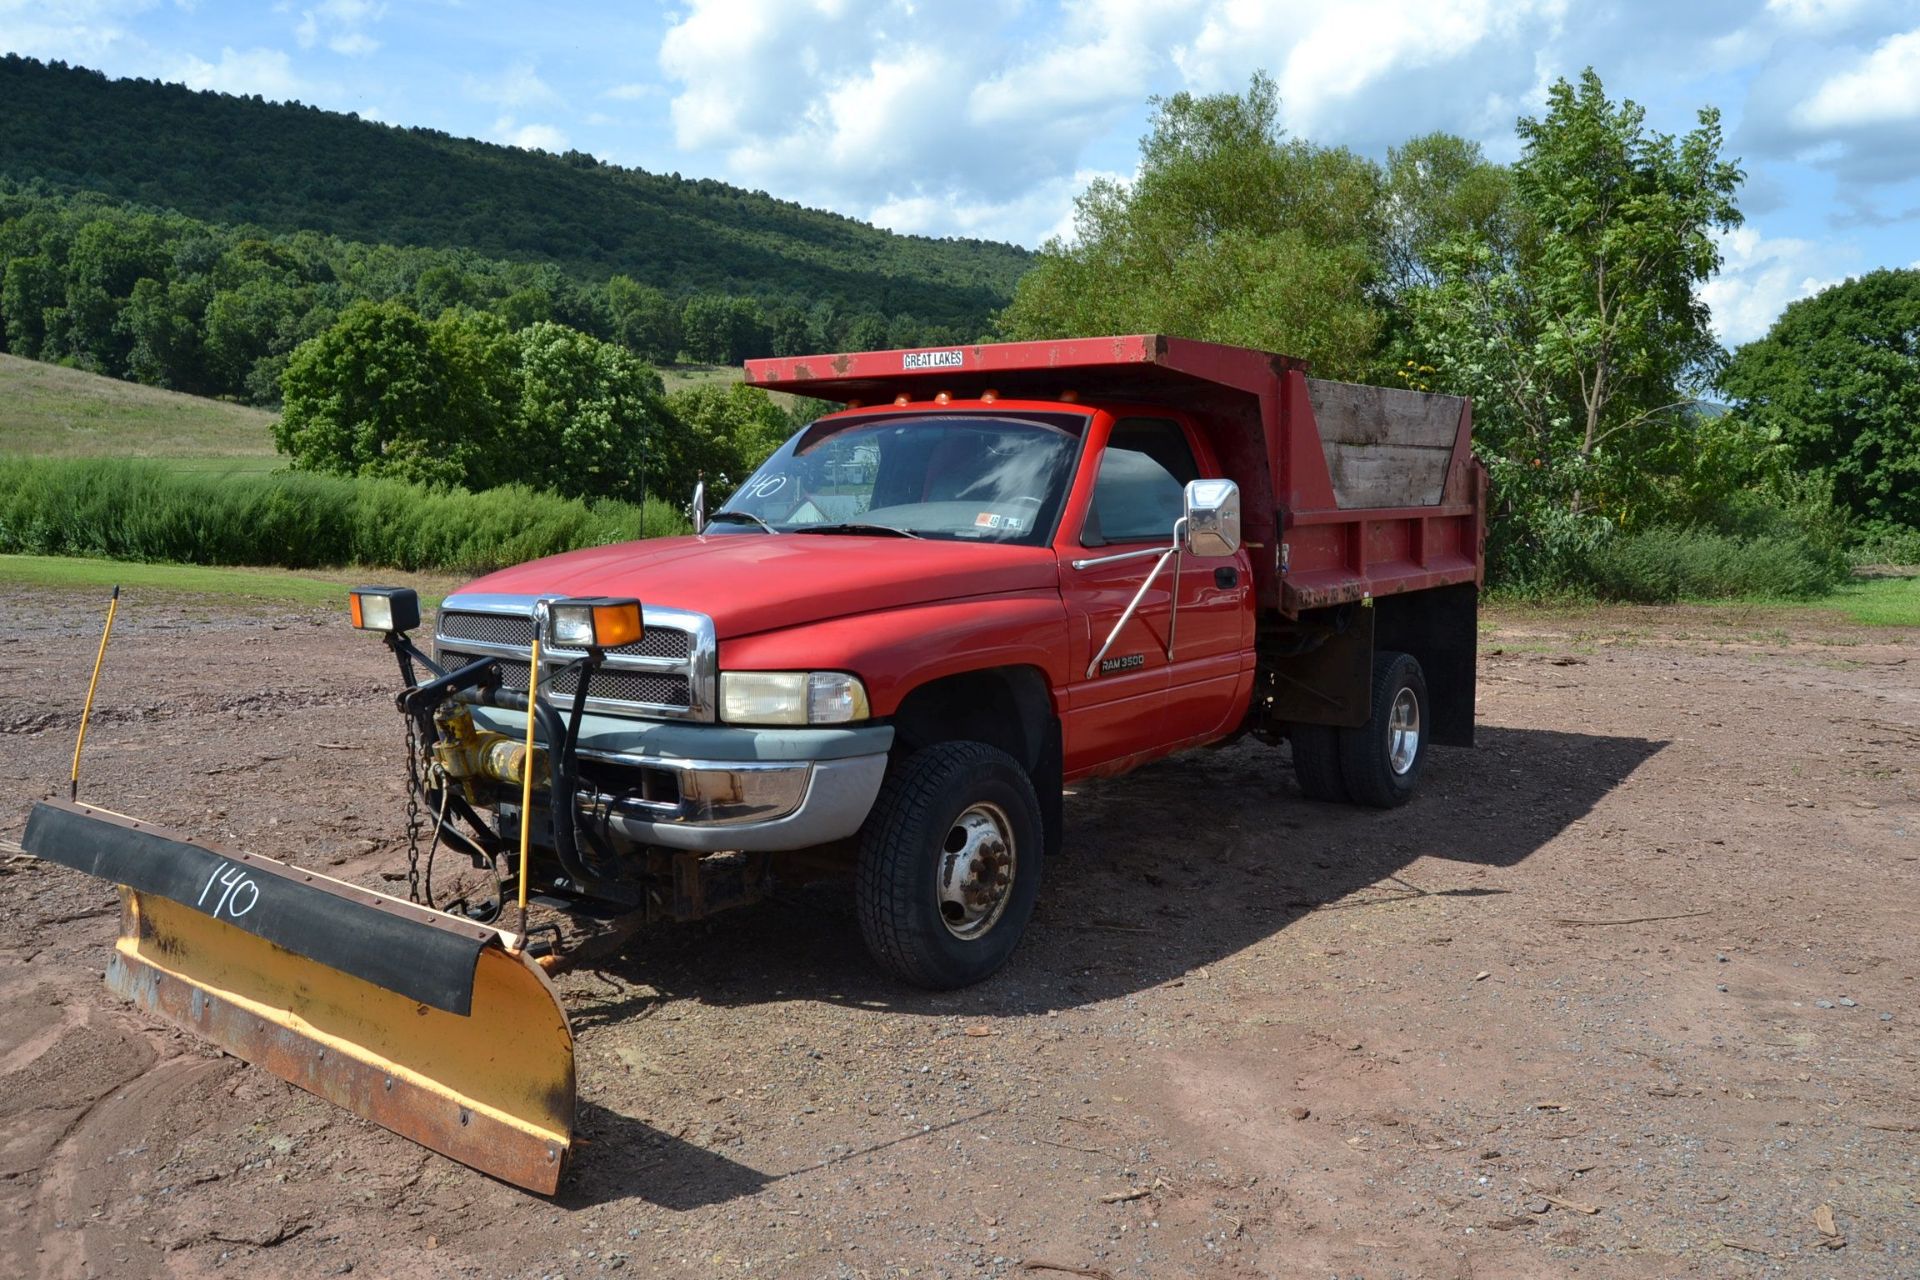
(997, 570)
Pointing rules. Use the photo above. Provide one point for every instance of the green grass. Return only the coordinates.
(1889, 601)
(1875, 602)
(75, 573)
(49, 411)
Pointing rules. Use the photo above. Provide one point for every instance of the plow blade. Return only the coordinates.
(424, 1023)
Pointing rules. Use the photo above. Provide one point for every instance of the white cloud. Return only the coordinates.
(634, 91)
(1761, 275)
(1883, 89)
(1364, 63)
(532, 137)
(913, 115)
(1108, 50)
(1047, 205)
(341, 25)
(73, 30)
(518, 86)
(267, 72)
(1818, 13)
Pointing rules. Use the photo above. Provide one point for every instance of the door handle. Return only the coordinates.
(1226, 579)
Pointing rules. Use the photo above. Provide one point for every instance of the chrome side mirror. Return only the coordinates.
(700, 505)
(1212, 524)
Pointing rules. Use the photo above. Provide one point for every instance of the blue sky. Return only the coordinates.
(986, 117)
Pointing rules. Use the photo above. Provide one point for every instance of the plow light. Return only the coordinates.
(384, 608)
(600, 622)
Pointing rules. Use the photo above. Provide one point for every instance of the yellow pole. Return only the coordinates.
(86, 712)
(526, 787)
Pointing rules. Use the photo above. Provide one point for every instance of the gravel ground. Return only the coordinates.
(1629, 990)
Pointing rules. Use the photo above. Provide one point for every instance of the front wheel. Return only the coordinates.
(949, 865)
(1380, 761)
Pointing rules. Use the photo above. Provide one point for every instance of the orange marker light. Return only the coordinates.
(1070, 397)
(989, 396)
(902, 399)
(600, 622)
(617, 624)
(943, 398)
(353, 607)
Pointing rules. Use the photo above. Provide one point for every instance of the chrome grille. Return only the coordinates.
(488, 628)
(668, 673)
(608, 683)
(506, 629)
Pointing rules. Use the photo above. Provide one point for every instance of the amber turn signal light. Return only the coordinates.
(595, 622)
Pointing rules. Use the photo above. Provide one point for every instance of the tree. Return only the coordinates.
(868, 332)
(587, 414)
(442, 288)
(1440, 188)
(1231, 232)
(374, 396)
(1575, 319)
(107, 257)
(706, 328)
(163, 326)
(529, 306)
(722, 431)
(788, 331)
(645, 320)
(29, 291)
(1837, 379)
(247, 325)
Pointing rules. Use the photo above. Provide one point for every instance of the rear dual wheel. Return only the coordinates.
(1378, 763)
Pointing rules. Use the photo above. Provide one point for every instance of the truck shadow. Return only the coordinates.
(1168, 870)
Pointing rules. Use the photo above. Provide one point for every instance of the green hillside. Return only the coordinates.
(288, 167)
(64, 413)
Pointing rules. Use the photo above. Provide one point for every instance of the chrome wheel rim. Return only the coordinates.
(1403, 731)
(977, 860)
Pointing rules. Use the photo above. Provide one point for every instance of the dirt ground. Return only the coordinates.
(1629, 990)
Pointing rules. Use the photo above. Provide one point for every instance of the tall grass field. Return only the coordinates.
(128, 509)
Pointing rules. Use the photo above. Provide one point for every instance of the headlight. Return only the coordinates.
(791, 697)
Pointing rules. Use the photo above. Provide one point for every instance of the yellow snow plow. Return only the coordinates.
(422, 1022)
(422, 1015)
(432, 1023)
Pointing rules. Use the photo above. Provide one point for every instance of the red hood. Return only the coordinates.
(750, 582)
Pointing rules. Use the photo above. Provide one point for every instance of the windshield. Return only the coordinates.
(965, 476)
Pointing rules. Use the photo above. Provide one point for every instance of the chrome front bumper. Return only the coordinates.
(751, 807)
(713, 788)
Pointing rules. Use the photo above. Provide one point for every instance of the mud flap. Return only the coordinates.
(421, 1022)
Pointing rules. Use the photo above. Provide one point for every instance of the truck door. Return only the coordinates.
(1117, 714)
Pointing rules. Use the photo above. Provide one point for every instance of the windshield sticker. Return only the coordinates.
(992, 520)
(931, 359)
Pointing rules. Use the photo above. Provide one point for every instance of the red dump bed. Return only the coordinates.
(1346, 490)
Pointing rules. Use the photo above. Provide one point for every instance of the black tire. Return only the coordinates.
(1316, 762)
(979, 795)
(1367, 757)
